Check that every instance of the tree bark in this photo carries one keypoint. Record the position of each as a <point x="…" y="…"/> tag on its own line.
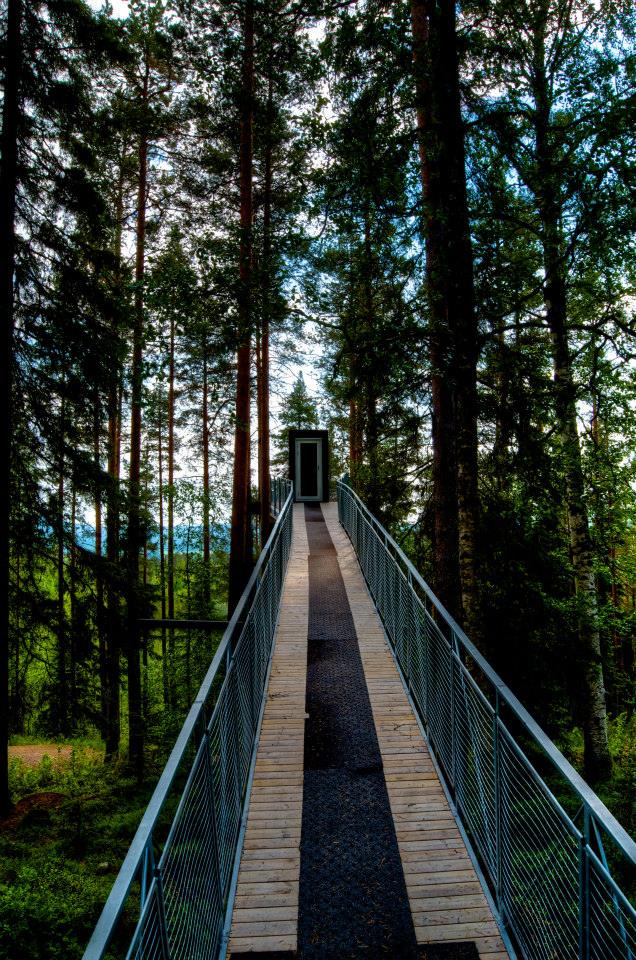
<point x="72" y="591"/>
<point x="453" y="331"/>
<point x="170" y="565"/>
<point x="135" y="540"/>
<point x="355" y="426"/>
<point x="370" y="390"/>
<point x="100" y="593"/>
<point x="8" y="191"/>
<point x="264" y="488"/>
<point x="597" y="757"/>
<point x="111" y="716"/>
<point x="62" y="636"/>
<point x="240" y="543"/>
<point x="162" y="559"/>
<point x="112" y="722"/>
<point x="205" y="436"/>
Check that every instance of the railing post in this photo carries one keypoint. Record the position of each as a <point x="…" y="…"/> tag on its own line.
<point x="453" y="720"/>
<point x="161" y="910"/>
<point x="147" y="869"/>
<point x="584" y="887"/>
<point x="496" y="748"/>
<point x="410" y="628"/>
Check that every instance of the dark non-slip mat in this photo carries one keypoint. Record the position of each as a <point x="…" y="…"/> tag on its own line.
<point x="353" y="899"/>
<point x="449" y="951"/>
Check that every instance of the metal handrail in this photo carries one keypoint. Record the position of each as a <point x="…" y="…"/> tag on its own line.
<point x="221" y="727"/>
<point x="550" y="878"/>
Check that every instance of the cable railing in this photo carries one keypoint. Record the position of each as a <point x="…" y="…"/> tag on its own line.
<point x="557" y="863"/>
<point x="172" y="900"/>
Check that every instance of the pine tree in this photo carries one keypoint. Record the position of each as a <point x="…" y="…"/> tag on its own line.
<point x="298" y="411"/>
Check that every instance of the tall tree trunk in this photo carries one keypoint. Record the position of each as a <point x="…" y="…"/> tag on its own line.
<point x="8" y="189"/>
<point x="112" y="712"/>
<point x="135" y="719"/>
<point x="355" y="420"/>
<point x="145" y="638"/>
<point x="188" y="650"/>
<point x="62" y="636"/>
<point x="17" y="701"/>
<point x="170" y="566"/>
<point x="370" y="390"/>
<point x="453" y="336"/>
<point x="266" y="292"/>
<point x="165" y="666"/>
<point x="240" y="542"/>
<point x="597" y="757"/>
<point x="72" y="591"/>
<point x="112" y="722"/>
<point x="205" y="437"/>
<point x="102" y="640"/>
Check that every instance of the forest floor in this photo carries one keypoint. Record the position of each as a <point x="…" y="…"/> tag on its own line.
<point x="62" y="844"/>
<point x="32" y="754"/>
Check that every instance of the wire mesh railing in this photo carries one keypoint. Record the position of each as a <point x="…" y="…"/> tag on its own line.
<point x="172" y="903"/>
<point x="558" y="864"/>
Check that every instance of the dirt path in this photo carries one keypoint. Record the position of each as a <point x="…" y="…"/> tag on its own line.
<point x="32" y="754"/>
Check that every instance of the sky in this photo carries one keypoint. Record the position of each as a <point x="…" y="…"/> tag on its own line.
<point x="120" y="7"/>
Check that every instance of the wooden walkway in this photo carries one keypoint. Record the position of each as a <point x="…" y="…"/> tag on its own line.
<point x="446" y="898"/>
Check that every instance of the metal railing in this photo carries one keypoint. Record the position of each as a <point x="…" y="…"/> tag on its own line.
<point x="280" y="488"/>
<point x="173" y="904"/>
<point x="545" y="850"/>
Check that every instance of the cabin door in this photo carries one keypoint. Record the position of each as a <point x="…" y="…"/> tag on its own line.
<point x="308" y="479"/>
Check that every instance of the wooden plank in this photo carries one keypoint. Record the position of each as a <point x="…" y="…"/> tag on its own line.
<point x="265" y="944"/>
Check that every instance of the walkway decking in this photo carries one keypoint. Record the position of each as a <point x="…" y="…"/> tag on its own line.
<point x="446" y="899"/>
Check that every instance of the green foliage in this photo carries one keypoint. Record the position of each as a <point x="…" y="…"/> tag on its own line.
<point x="298" y="411"/>
<point x="61" y="851"/>
<point x="619" y="793"/>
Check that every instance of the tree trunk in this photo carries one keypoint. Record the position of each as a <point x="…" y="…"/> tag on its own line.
<point x="453" y="337"/>
<point x="102" y="640"/>
<point x="8" y="189"/>
<point x="170" y="566"/>
<point x="73" y="647"/>
<point x="162" y="560"/>
<point x="188" y="650"/>
<point x="135" y="719"/>
<point x="205" y="436"/>
<point x="111" y="719"/>
<point x="62" y="637"/>
<point x="355" y="426"/>
<point x="444" y="467"/>
<point x="17" y="706"/>
<point x="266" y="289"/>
<point x="240" y="543"/>
<point x="597" y="757"/>
<point x="372" y="492"/>
<point x="112" y="713"/>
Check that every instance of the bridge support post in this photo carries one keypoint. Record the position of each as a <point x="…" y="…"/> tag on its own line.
<point x="496" y="748"/>
<point x="147" y="870"/>
<point x="453" y="717"/>
<point x="584" y="888"/>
